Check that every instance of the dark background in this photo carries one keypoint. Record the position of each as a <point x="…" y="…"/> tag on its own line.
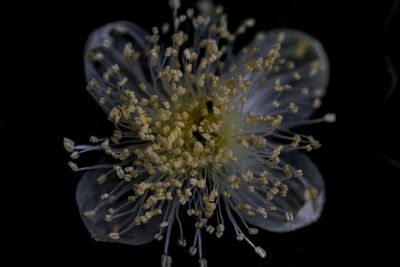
<point x="45" y="99"/>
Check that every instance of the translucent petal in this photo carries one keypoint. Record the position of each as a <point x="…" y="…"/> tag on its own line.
<point x="88" y="196"/>
<point x="305" y="69"/>
<point x="105" y="48"/>
<point x="305" y="198"/>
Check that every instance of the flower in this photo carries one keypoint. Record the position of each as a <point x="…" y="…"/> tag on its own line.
<point x="201" y="132"/>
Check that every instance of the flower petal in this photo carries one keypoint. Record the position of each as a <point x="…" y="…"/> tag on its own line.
<point x="305" y="198"/>
<point x="89" y="198"/>
<point x="115" y="44"/>
<point x="305" y="69"/>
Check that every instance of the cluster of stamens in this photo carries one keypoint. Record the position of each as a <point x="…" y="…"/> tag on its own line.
<point x="182" y="141"/>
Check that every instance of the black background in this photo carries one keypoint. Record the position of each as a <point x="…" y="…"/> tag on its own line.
<point x="45" y="100"/>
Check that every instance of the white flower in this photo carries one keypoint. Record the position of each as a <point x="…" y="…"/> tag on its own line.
<point x="201" y="132"/>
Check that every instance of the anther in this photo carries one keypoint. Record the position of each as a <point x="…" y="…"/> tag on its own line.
<point x="158" y="237"/>
<point x="192" y="251"/>
<point x="289" y="216"/>
<point x="298" y="173"/>
<point x="166" y="261"/>
<point x="73" y="166"/>
<point x="114" y="235"/>
<point x="163" y="224"/>
<point x="105" y="144"/>
<point x="260" y="251"/>
<point x="69" y="145"/>
<point x="94" y="139"/>
<point x="89" y="213"/>
<point x="74" y="155"/>
<point x="210" y="229"/>
<point x="317" y="103"/>
<point x="203" y="263"/>
<point x="330" y="117"/>
<point x="240" y="237"/>
<point x="182" y="242"/>
<point x="253" y="231"/>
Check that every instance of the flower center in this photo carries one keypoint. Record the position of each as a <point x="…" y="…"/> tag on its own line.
<point x="196" y="131"/>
